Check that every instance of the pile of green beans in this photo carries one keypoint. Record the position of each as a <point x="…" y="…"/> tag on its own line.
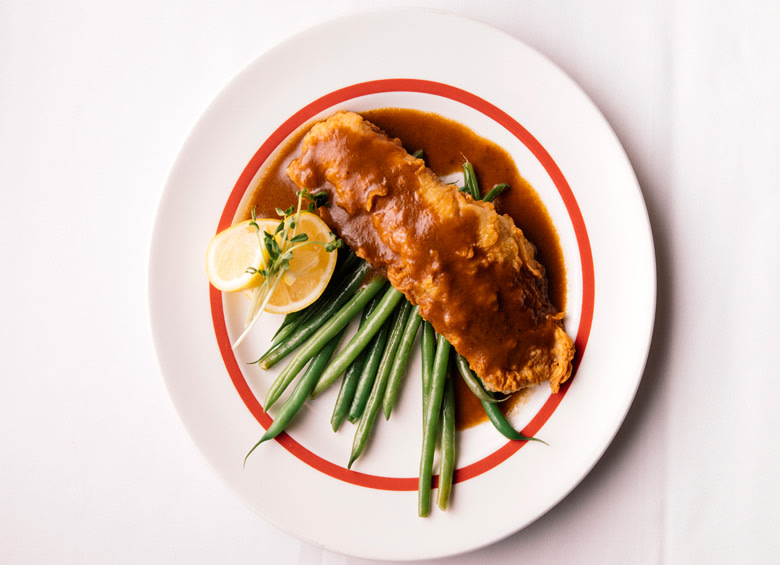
<point x="373" y="361"/>
<point x="373" y="364"/>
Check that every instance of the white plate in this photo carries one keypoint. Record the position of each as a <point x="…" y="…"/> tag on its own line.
<point x="503" y="90"/>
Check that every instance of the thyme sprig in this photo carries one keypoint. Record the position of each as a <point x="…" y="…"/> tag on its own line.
<point x="279" y="248"/>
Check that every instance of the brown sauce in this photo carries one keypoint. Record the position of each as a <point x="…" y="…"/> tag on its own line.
<point x="446" y="145"/>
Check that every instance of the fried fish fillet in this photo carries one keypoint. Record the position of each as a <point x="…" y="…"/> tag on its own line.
<point x="471" y="271"/>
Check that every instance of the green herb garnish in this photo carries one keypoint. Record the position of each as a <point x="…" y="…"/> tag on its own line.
<point x="279" y="248"/>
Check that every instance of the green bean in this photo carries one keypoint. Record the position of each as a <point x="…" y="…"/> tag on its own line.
<point x="472" y="381"/>
<point x="351" y="376"/>
<point x="289" y="323"/>
<point x="368" y="418"/>
<point x="297" y="399"/>
<point x="374" y="355"/>
<point x="471" y="186"/>
<point x="447" y="449"/>
<point x="394" y="339"/>
<point x="428" y="349"/>
<point x="490" y="404"/>
<point x="431" y="424"/>
<point x="470" y="181"/>
<point x="340" y="297"/>
<point x="346" y="265"/>
<point x="499" y="421"/>
<point x="495" y="192"/>
<point x="398" y="370"/>
<point x="377" y="395"/>
<point x="292" y="322"/>
<point x="359" y="341"/>
<point x="321" y="337"/>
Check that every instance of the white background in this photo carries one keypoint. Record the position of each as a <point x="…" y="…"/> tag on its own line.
<point x="95" y="102"/>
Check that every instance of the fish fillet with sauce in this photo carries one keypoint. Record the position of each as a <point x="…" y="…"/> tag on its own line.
<point x="471" y="271"/>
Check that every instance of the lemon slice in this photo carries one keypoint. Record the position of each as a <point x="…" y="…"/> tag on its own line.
<point x="311" y="268"/>
<point x="234" y="252"/>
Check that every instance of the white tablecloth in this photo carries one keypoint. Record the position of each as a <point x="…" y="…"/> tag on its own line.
<point x="95" y="101"/>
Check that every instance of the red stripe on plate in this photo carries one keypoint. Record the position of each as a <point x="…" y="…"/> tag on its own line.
<point x="586" y="258"/>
